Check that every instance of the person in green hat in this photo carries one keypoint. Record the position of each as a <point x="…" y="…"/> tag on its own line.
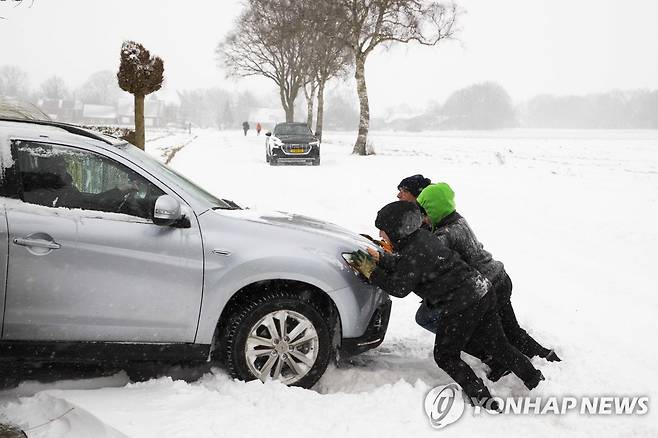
<point x="438" y="201"/>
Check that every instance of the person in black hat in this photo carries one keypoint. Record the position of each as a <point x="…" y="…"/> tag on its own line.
<point x="411" y="186"/>
<point x="423" y="265"/>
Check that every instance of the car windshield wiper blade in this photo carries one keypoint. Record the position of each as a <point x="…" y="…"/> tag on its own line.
<point x="230" y="206"/>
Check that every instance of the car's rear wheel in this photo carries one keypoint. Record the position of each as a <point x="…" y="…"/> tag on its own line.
<point x="278" y="337"/>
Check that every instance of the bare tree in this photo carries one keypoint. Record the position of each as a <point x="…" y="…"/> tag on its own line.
<point x="101" y="89"/>
<point x="327" y="55"/>
<point x="371" y="23"/>
<point x="139" y="74"/>
<point x="54" y="88"/>
<point x="268" y="41"/>
<point x="13" y="81"/>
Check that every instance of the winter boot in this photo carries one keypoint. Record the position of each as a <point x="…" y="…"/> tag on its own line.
<point x="483" y="399"/>
<point x="495" y="374"/>
<point x="552" y="357"/>
<point x="534" y="381"/>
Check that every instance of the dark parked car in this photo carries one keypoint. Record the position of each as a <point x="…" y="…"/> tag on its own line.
<point x="292" y="143"/>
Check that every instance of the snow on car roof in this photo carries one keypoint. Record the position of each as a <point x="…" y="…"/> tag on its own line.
<point x="52" y="130"/>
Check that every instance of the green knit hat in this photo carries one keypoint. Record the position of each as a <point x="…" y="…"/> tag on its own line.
<point x="438" y="200"/>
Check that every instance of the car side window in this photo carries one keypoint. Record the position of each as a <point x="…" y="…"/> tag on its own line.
<point x="60" y="176"/>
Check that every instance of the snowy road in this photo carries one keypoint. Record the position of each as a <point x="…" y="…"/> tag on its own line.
<point x="573" y="216"/>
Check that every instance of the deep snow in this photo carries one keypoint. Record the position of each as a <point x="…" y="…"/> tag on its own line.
<point x="572" y="214"/>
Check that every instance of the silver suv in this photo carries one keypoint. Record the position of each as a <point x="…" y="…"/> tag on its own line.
<point x="107" y="255"/>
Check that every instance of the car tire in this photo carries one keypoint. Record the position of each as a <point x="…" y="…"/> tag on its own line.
<point x="273" y="161"/>
<point x="299" y="361"/>
<point x="267" y="156"/>
<point x="316" y="162"/>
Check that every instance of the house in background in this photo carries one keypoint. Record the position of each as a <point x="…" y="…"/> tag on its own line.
<point x="154" y="111"/>
<point x="99" y="115"/>
<point x="62" y="110"/>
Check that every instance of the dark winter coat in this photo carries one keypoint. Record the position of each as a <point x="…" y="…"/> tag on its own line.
<point x="455" y="233"/>
<point x="432" y="271"/>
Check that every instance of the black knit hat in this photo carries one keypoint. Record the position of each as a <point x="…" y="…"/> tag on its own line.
<point x="414" y="184"/>
<point x="399" y="219"/>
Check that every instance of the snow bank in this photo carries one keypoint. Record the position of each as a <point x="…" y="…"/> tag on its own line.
<point x="48" y="416"/>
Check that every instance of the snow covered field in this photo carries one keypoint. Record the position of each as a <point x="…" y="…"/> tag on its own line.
<point x="572" y="214"/>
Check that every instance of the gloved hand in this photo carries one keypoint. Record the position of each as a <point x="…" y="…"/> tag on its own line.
<point x="363" y="262"/>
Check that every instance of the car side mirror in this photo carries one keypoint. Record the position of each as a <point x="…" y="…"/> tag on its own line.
<point x="268" y="133"/>
<point x="167" y="211"/>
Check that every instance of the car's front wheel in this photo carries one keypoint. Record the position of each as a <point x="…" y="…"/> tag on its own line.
<point x="278" y="337"/>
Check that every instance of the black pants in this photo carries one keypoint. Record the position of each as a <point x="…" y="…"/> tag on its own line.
<point x="428" y="318"/>
<point x="477" y="325"/>
<point x="516" y="336"/>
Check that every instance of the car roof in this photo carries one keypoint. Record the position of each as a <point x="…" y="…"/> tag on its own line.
<point x="291" y="123"/>
<point x="54" y="131"/>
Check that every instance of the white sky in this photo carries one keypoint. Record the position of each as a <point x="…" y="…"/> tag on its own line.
<point x="528" y="46"/>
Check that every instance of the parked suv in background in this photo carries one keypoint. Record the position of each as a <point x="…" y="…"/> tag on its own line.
<point x="292" y="143"/>
<point x="108" y="255"/>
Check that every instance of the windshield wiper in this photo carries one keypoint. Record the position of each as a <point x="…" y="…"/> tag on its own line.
<point x="230" y="205"/>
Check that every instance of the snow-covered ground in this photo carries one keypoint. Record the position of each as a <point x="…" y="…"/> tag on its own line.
<point x="572" y="214"/>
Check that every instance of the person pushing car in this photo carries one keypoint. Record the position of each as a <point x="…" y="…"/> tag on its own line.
<point x="438" y="201"/>
<point x="423" y="265"/>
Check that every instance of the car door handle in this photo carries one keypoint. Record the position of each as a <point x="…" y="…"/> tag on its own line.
<point x="37" y="243"/>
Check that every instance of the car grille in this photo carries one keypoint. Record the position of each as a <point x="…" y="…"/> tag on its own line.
<point x="296" y="149"/>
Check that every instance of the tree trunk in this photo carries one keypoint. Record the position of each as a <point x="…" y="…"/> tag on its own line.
<point x="364" y="108"/>
<point x="290" y="114"/>
<point x="140" y="135"/>
<point x="288" y="107"/>
<point x="309" y="110"/>
<point x="320" y="116"/>
<point x="310" y="97"/>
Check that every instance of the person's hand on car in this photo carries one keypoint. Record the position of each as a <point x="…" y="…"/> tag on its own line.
<point x="363" y="262"/>
<point x="374" y="254"/>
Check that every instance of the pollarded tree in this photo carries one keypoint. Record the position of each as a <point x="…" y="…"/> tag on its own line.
<point x="139" y="74"/>
<point x="368" y="24"/>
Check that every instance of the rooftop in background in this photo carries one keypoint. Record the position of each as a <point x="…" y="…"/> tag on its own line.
<point x="15" y="109"/>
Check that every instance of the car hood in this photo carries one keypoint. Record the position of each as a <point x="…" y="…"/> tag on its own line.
<point x="305" y="224"/>
<point x="296" y="138"/>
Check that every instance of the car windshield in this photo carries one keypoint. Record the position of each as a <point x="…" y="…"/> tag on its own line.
<point x="156" y="167"/>
<point x="289" y="129"/>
